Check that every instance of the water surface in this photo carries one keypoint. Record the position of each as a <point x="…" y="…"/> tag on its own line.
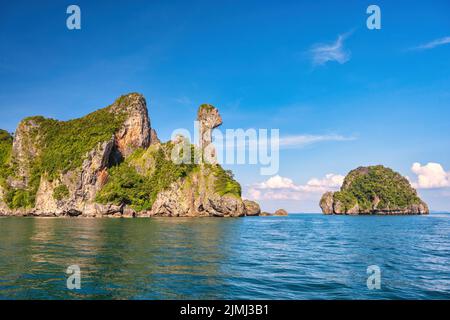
<point x="302" y="256"/>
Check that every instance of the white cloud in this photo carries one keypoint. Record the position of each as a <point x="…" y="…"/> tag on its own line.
<point x="303" y="140"/>
<point x="431" y="175"/>
<point x="434" y="44"/>
<point x="323" y="53"/>
<point x="277" y="182"/>
<point x="330" y="181"/>
<point x="281" y="188"/>
<point x="287" y="142"/>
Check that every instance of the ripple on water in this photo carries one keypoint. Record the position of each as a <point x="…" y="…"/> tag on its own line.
<point x="295" y="257"/>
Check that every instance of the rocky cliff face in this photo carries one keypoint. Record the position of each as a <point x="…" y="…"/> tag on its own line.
<point x="374" y="190"/>
<point x="197" y="198"/>
<point x="109" y="163"/>
<point x="135" y="131"/>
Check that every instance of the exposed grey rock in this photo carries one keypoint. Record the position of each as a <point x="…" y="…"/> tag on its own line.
<point x="281" y="212"/>
<point x="154" y="137"/>
<point x="24" y="151"/>
<point x="74" y="213"/>
<point x="339" y="208"/>
<point x="251" y="208"/>
<point x="225" y="206"/>
<point x="196" y="199"/>
<point x="209" y="118"/>
<point x="136" y="131"/>
<point x="128" y="213"/>
<point x="326" y="203"/>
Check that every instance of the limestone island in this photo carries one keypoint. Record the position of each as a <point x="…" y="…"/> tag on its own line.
<point x="111" y="163"/>
<point x="374" y="190"/>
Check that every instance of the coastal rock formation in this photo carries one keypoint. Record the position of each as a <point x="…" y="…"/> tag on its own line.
<point x="111" y="163"/>
<point x="252" y="208"/>
<point x="280" y="212"/>
<point x="326" y="203"/>
<point x="374" y="190"/>
<point x="209" y="118"/>
<point x="199" y="194"/>
<point x="135" y="131"/>
<point x="154" y="137"/>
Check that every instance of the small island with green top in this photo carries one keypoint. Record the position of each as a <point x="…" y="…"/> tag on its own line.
<point x="374" y="190"/>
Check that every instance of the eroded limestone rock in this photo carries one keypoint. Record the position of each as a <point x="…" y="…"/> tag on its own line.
<point x="281" y="212"/>
<point x="209" y="118"/>
<point x="326" y="203"/>
<point x="252" y="208"/>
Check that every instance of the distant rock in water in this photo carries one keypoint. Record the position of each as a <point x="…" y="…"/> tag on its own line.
<point x="280" y="212"/>
<point x="374" y="190"/>
<point x="111" y="163"/>
<point x="252" y="208"/>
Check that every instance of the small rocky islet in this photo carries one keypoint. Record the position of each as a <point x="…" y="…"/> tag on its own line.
<point x="374" y="190"/>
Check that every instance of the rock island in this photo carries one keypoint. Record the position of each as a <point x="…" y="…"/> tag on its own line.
<point x="111" y="163"/>
<point x="374" y="190"/>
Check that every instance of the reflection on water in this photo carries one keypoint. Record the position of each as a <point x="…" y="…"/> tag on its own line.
<point x="296" y="257"/>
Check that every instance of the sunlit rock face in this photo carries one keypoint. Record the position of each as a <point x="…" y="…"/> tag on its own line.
<point x="252" y="208"/>
<point x="135" y="131"/>
<point x="280" y="213"/>
<point x="209" y="118"/>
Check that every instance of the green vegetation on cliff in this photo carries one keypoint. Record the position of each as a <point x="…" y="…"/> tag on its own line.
<point x="346" y="198"/>
<point x="14" y="198"/>
<point x="139" y="189"/>
<point x="65" y="144"/>
<point x="126" y="186"/>
<point x="225" y="183"/>
<point x="141" y="177"/>
<point x="17" y="198"/>
<point x="61" y="146"/>
<point x="205" y="108"/>
<point x="376" y="185"/>
<point x="6" y="141"/>
<point x="60" y="192"/>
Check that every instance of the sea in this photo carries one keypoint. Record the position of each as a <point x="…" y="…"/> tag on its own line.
<point x="298" y="257"/>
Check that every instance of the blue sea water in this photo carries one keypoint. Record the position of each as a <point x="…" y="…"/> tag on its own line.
<point x="303" y="256"/>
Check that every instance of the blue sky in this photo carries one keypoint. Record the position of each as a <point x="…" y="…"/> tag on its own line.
<point x="386" y="94"/>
